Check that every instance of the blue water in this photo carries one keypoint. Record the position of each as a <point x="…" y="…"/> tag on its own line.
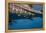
<point x="25" y="23"/>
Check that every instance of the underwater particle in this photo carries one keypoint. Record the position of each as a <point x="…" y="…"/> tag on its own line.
<point x="19" y="15"/>
<point x="27" y="17"/>
<point x="24" y="16"/>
